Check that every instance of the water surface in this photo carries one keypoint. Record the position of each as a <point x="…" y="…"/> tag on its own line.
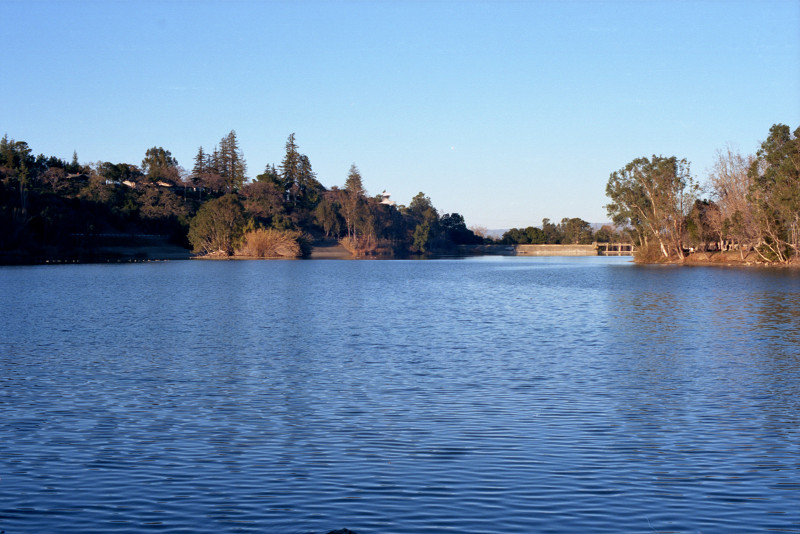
<point x="487" y="395"/>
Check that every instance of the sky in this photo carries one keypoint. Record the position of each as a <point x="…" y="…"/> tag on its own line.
<point x="506" y="112"/>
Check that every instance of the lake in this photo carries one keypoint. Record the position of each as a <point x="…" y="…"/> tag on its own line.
<point x="482" y="395"/>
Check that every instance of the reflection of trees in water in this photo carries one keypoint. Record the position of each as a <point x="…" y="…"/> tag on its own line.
<point x="707" y="387"/>
<point x="706" y="330"/>
<point x="711" y="350"/>
<point x="703" y="309"/>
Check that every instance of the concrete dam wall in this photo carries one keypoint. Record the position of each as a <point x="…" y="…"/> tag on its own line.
<point x="595" y="249"/>
<point x="556" y="250"/>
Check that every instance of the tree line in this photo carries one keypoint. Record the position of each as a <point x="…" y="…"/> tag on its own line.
<point x="750" y="203"/>
<point x="50" y="207"/>
<point x="570" y="231"/>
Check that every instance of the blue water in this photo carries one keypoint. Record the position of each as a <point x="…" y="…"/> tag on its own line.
<point x="489" y="395"/>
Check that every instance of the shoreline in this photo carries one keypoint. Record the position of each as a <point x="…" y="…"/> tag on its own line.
<point x="99" y="255"/>
<point x="331" y="250"/>
<point x="725" y="259"/>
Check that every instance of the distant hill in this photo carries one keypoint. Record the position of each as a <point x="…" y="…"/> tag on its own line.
<point x="496" y="234"/>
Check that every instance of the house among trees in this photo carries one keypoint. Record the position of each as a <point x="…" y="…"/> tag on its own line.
<point x="168" y="184"/>
<point x="386" y="200"/>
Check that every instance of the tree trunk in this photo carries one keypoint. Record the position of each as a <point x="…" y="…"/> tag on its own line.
<point x="663" y="248"/>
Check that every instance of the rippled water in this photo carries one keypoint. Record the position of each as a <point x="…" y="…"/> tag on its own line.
<point x="482" y="395"/>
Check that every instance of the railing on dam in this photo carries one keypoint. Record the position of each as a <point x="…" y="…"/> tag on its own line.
<point x="614" y="249"/>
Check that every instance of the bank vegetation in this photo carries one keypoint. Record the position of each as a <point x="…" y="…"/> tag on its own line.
<point x="749" y="206"/>
<point x="58" y="210"/>
<point x="54" y="209"/>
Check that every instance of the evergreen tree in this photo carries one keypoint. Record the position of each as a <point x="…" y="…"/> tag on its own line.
<point x="290" y="170"/>
<point x="213" y="161"/>
<point x="301" y="187"/>
<point x="205" y="172"/>
<point x="74" y="166"/>
<point x="775" y="193"/>
<point x="7" y="152"/>
<point x="159" y="164"/>
<point x="200" y="162"/>
<point x="15" y="154"/>
<point x="270" y="174"/>
<point x="352" y="201"/>
<point x="230" y="162"/>
<point x="308" y="187"/>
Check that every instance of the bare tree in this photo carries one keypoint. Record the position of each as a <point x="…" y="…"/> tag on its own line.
<point x="730" y="184"/>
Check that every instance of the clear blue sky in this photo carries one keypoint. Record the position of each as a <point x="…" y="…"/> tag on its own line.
<point x="506" y="112"/>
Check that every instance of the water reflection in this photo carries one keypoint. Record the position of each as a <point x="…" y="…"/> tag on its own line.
<point x="706" y="363"/>
<point x="491" y="395"/>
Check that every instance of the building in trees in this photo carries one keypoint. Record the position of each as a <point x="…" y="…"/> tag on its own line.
<point x="386" y="199"/>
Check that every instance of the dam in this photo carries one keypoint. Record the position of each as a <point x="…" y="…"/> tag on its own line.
<point x="595" y="249"/>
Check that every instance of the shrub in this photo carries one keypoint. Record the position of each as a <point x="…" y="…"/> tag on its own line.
<point x="648" y="253"/>
<point x="271" y="243"/>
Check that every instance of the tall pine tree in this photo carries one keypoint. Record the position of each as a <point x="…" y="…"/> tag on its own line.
<point x="230" y="162"/>
<point x="352" y="201"/>
<point x="199" y="164"/>
<point x="290" y="170"/>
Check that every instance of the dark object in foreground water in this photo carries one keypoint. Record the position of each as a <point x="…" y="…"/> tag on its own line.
<point x="342" y="531"/>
